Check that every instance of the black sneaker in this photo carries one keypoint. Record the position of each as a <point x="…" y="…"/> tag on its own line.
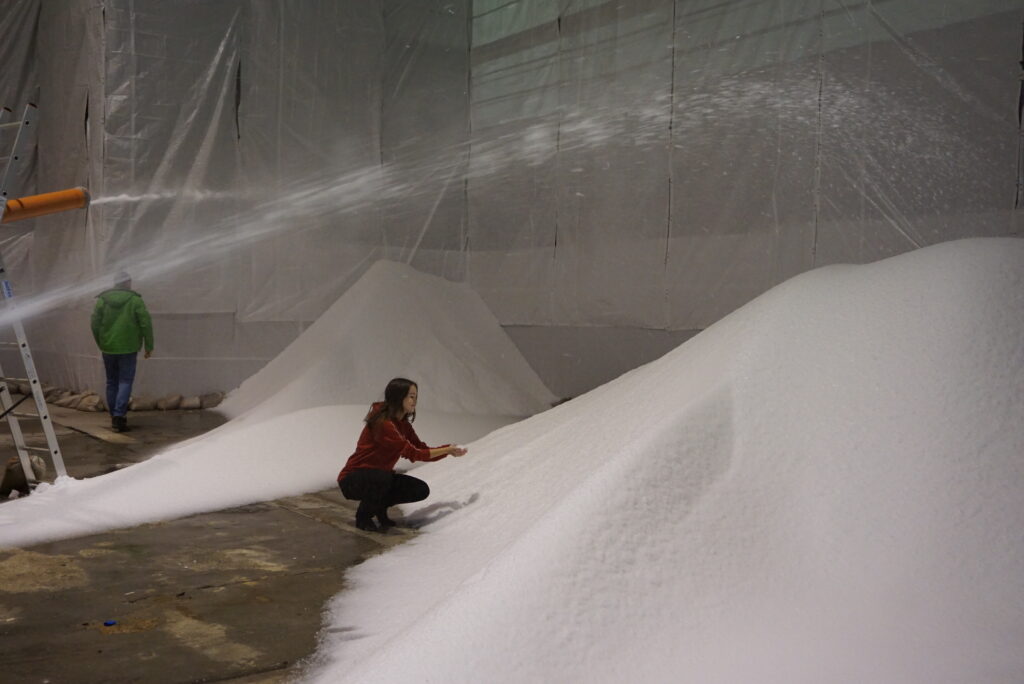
<point x="367" y="524"/>
<point x="384" y="521"/>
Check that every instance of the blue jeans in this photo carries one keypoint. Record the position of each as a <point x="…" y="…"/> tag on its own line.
<point x="120" y="376"/>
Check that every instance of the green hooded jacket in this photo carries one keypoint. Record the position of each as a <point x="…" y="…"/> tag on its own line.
<point x="121" y="323"/>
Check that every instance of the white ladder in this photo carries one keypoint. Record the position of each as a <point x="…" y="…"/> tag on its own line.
<point x="7" y="403"/>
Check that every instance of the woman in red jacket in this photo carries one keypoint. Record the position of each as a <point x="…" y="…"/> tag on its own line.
<point x="369" y="476"/>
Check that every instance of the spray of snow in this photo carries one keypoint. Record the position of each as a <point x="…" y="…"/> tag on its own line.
<point x="327" y="198"/>
<point x="192" y="195"/>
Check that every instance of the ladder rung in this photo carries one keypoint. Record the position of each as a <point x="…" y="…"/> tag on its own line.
<point x="10" y="344"/>
<point x="25" y="415"/>
<point x="33" y="448"/>
<point x="15" y="379"/>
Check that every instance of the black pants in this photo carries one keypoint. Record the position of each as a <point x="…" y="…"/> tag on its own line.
<point x="375" y="490"/>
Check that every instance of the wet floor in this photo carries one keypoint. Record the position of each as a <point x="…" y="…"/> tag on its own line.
<point x="236" y="595"/>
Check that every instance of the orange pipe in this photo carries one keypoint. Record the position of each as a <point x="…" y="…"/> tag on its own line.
<point x="47" y="203"/>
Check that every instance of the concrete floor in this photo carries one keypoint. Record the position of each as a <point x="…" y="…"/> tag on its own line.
<point x="235" y="595"/>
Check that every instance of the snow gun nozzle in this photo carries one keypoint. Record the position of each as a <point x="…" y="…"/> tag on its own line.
<point x="47" y="203"/>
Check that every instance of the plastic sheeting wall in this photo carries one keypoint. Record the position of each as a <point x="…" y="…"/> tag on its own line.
<point x="598" y="166"/>
<point x="246" y="162"/>
<point x="707" y="151"/>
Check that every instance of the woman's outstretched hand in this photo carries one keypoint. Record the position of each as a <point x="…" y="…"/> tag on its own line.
<point x="456" y="450"/>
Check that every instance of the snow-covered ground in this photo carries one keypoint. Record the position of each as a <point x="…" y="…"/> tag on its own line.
<point x="825" y="486"/>
<point x="297" y="420"/>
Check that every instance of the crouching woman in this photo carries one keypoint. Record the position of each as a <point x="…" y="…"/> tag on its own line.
<point x="369" y="475"/>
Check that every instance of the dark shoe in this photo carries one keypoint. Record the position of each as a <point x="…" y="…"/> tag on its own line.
<point x="119" y="423"/>
<point x="384" y="521"/>
<point x="367" y="524"/>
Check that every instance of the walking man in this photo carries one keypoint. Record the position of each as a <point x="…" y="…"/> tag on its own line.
<point x="120" y="326"/>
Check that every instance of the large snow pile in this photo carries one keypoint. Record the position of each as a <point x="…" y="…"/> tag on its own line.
<point x="825" y="486"/>
<point x="396" y="321"/>
<point x="299" y="418"/>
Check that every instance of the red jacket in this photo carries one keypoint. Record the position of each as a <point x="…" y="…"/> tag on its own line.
<point x="380" y="446"/>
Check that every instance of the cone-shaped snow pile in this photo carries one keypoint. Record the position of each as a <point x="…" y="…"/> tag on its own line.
<point x="826" y="486"/>
<point x="396" y="321"/>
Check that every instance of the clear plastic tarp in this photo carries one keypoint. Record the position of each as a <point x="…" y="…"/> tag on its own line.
<point x="611" y="166"/>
